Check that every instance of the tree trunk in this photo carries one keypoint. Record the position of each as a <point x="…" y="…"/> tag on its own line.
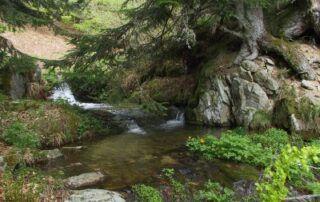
<point x="314" y="13"/>
<point x="254" y="35"/>
<point x="253" y="29"/>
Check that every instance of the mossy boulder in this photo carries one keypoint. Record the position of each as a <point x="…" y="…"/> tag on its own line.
<point x="283" y="109"/>
<point x="173" y="90"/>
<point x="261" y="121"/>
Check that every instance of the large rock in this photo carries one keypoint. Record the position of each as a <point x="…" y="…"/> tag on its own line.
<point x="267" y="82"/>
<point x="94" y="195"/>
<point x="248" y="98"/>
<point x="84" y="180"/>
<point x="214" y="106"/>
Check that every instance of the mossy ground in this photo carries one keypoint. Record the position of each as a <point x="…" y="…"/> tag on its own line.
<point x="54" y="124"/>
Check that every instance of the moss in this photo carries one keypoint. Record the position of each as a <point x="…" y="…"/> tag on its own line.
<point x="261" y="121"/>
<point x="176" y="90"/>
<point x="55" y="124"/>
<point x="282" y="112"/>
<point x="291" y="54"/>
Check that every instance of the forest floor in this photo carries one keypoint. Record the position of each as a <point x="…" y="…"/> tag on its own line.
<point x="41" y="42"/>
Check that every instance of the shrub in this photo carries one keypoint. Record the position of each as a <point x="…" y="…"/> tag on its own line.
<point x="237" y="145"/>
<point x="18" y="135"/>
<point x="214" y="192"/>
<point x="273" y="139"/>
<point x="290" y="163"/>
<point x="231" y="146"/>
<point x="146" y="194"/>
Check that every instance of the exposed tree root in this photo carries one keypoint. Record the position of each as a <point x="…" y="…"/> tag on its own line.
<point x="293" y="56"/>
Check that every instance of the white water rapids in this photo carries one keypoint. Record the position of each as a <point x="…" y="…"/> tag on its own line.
<point x="63" y="92"/>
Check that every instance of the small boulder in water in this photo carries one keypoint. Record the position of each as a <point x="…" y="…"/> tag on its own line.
<point x="84" y="180"/>
<point x="95" y="195"/>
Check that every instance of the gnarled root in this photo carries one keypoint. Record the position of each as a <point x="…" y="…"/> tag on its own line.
<point x="293" y="56"/>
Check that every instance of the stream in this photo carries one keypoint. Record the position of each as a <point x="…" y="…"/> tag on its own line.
<point x="138" y="154"/>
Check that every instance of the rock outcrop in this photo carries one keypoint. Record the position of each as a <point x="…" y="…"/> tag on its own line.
<point x="259" y="87"/>
<point x="23" y="83"/>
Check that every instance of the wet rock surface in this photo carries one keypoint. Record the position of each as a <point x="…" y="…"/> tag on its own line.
<point x="85" y="180"/>
<point x="95" y="195"/>
<point x="53" y="154"/>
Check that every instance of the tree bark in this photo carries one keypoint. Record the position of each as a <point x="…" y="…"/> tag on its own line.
<point x="253" y="29"/>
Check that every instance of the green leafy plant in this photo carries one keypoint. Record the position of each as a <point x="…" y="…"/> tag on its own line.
<point x="230" y="146"/>
<point x="18" y="135"/>
<point x="146" y="193"/>
<point x="180" y="191"/>
<point x="214" y="192"/>
<point x="273" y="138"/>
<point x="290" y="161"/>
<point x="25" y="185"/>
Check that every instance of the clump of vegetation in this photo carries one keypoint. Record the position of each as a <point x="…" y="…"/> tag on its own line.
<point x="179" y="190"/>
<point x="292" y="164"/>
<point x="28" y="123"/>
<point x="27" y="184"/>
<point x="18" y="135"/>
<point x="146" y="193"/>
<point x="261" y="121"/>
<point x="274" y="139"/>
<point x="235" y="146"/>
<point x="213" y="191"/>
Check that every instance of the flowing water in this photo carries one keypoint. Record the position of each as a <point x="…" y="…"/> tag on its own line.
<point x="139" y="154"/>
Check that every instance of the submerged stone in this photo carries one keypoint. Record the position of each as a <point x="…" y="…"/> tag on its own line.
<point x="53" y="154"/>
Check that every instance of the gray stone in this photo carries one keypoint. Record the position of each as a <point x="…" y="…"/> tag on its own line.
<point x="266" y="81"/>
<point x="95" y="195"/>
<point x="76" y="148"/>
<point x="244" y="74"/>
<point x="307" y="85"/>
<point x="53" y="154"/>
<point x="17" y="86"/>
<point x="269" y="61"/>
<point x="2" y="164"/>
<point x="295" y="124"/>
<point x="250" y="66"/>
<point x="248" y="98"/>
<point x="84" y="180"/>
<point x="214" y="105"/>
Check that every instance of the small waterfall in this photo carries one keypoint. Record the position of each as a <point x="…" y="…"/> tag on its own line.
<point x="179" y="121"/>
<point x="63" y="92"/>
<point x="133" y="127"/>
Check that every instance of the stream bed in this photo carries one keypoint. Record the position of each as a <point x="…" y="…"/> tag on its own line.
<point x="140" y="153"/>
